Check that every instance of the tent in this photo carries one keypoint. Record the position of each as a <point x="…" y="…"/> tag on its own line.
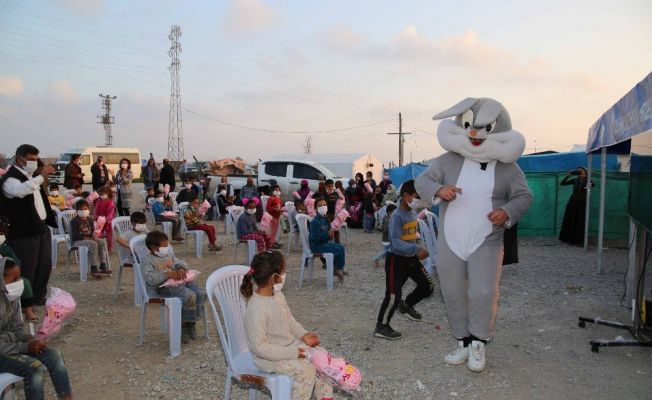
<point x="399" y="175"/>
<point x="345" y="165"/>
<point x="612" y="133"/>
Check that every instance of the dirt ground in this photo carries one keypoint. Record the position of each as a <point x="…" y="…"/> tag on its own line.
<point x="538" y="352"/>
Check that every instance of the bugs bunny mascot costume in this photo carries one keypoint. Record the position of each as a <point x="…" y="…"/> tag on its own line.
<point x="482" y="191"/>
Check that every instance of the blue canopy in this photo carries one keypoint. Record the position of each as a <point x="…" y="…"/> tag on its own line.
<point x="630" y="116"/>
<point x="563" y="162"/>
<point x="399" y="175"/>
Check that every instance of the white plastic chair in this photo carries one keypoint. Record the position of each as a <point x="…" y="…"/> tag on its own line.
<point x="433" y="223"/>
<point x="198" y="236"/>
<point x="119" y="226"/>
<point x="170" y="306"/>
<point x="82" y="251"/>
<point x="263" y="201"/>
<point x="307" y="258"/>
<point x="292" y="234"/>
<point x="143" y="195"/>
<point x="173" y="196"/>
<point x="223" y="286"/>
<point x="165" y="225"/>
<point x="58" y="236"/>
<point x="7" y="386"/>
<point x="427" y="237"/>
<point x="250" y="250"/>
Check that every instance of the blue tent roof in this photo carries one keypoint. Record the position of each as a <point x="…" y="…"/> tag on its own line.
<point x="563" y="162"/>
<point x="399" y="175"/>
<point x="631" y="115"/>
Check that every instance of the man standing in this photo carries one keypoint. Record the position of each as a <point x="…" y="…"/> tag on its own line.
<point x="24" y="202"/>
<point x="100" y="173"/>
<point x="167" y="174"/>
<point x="183" y="171"/>
<point x="73" y="173"/>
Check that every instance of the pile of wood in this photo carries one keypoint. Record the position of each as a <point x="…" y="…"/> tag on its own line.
<point x="227" y="166"/>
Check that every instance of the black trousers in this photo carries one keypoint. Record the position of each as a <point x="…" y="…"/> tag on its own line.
<point x="35" y="254"/>
<point x="397" y="271"/>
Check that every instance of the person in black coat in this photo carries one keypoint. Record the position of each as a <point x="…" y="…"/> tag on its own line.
<point x="572" y="227"/>
<point x="167" y="175"/>
<point x="100" y="173"/>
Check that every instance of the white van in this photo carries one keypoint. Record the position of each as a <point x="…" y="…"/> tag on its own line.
<point x="111" y="155"/>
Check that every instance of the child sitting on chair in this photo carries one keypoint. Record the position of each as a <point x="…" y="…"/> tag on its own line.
<point x="246" y="228"/>
<point x="194" y="223"/>
<point x="82" y="229"/>
<point x="105" y="207"/>
<point x="162" y="210"/>
<point x="160" y="265"/>
<point x="138" y="227"/>
<point x="321" y="235"/>
<point x="56" y="199"/>
<point x="276" y="339"/>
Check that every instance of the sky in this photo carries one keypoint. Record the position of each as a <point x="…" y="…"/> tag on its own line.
<point x="260" y="76"/>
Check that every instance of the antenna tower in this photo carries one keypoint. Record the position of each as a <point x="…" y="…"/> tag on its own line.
<point x="107" y="119"/>
<point x="175" y="126"/>
<point x="307" y="145"/>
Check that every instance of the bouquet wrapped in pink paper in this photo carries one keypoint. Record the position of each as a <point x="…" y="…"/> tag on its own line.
<point x="339" y="205"/>
<point x="295" y="195"/>
<point x="422" y="214"/>
<point x="58" y="308"/>
<point x="340" y="218"/>
<point x="99" y="225"/>
<point x="166" y="189"/>
<point x="309" y="202"/>
<point x="204" y="207"/>
<point x="266" y="222"/>
<point x="191" y="276"/>
<point x="92" y="197"/>
<point x="340" y="373"/>
<point x="169" y="214"/>
<point x="368" y="188"/>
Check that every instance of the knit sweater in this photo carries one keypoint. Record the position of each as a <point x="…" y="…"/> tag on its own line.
<point x="272" y="332"/>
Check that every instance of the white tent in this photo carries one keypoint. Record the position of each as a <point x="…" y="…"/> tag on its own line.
<point x="345" y="165"/>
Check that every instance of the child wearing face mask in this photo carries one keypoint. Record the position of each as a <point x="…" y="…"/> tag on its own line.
<point x="321" y="235"/>
<point x="274" y="205"/>
<point x="188" y="192"/>
<point x="20" y="353"/>
<point x="276" y="339"/>
<point x="246" y="228"/>
<point x="82" y="232"/>
<point x="162" y="205"/>
<point x="56" y="199"/>
<point x="159" y="265"/>
<point x="193" y="220"/>
<point x="138" y="227"/>
<point x="105" y="207"/>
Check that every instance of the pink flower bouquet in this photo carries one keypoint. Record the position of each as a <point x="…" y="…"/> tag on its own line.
<point x="99" y="225"/>
<point x="309" y="202"/>
<point x="340" y="373"/>
<point x="204" y="207"/>
<point x="339" y="220"/>
<point x="58" y="308"/>
<point x="169" y="214"/>
<point x="191" y="276"/>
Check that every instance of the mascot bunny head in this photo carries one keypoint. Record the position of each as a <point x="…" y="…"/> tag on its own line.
<point x="481" y="131"/>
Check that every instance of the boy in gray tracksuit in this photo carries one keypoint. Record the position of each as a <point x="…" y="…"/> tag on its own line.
<point x="401" y="263"/>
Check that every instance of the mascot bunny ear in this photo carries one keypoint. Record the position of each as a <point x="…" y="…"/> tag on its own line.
<point x="457" y="109"/>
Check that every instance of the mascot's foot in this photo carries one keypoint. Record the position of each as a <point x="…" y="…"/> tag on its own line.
<point x="459" y="355"/>
<point x="477" y="357"/>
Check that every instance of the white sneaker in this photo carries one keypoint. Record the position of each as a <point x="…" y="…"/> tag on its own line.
<point x="477" y="358"/>
<point x="459" y="355"/>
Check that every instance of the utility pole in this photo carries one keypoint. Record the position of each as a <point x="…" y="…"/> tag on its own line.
<point x="107" y="119"/>
<point x="401" y="140"/>
<point x="307" y="145"/>
<point x="175" y="125"/>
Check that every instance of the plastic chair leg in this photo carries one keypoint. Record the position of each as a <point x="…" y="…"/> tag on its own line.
<point x="117" y="285"/>
<point x="54" y="244"/>
<point x="174" y="322"/>
<point x="253" y="394"/>
<point x="164" y="319"/>
<point x="311" y="267"/>
<point x="251" y="251"/>
<point x="167" y="228"/>
<point x="227" y="384"/>
<point x="281" y="387"/>
<point x="138" y="296"/>
<point x="329" y="270"/>
<point x="83" y="263"/>
<point x="199" y="244"/>
<point x="303" y="267"/>
<point x="143" y="316"/>
<point x="205" y="319"/>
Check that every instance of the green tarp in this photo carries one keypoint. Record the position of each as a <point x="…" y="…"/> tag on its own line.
<point x="546" y="214"/>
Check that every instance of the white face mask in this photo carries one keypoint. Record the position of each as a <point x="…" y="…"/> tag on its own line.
<point x="354" y="186"/>
<point x="30" y="166"/>
<point x="104" y="196"/>
<point x="330" y="190"/>
<point x="54" y="193"/>
<point x="15" y="290"/>
<point x="2" y="239"/>
<point x="223" y="192"/>
<point x="83" y="213"/>
<point x="279" y="286"/>
<point x="124" y="165"/>
<point x="140" y="227"/>
<point x="159" y="199"/>
<point x="322" y="210"/>
<point x="251" y="211"/>
<point x="163" y="251"/>
<point x="188" y="186"/>
<point x="277" y="193"/>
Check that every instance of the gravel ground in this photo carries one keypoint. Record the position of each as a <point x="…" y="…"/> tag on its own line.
<point x="538" y="352"/>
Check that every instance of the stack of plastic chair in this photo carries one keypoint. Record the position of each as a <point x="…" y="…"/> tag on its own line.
<point x="82" y="251"/>
<point x="223" y="288"/>
<point x="307" y="258"/>
<point x="119" y="226"/>
<point x="250" y="244"/>
<point x="58" y="236"/>
<point x="7" y="386"/>
<point x="198" y="236"/>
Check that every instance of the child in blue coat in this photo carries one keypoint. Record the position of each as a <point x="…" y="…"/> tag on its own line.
<point x="320" y="236"/>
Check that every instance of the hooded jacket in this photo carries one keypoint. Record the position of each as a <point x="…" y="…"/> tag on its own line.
<point x="13" y="337"/>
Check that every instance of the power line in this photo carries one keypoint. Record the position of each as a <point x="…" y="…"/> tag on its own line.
<point x="220" y="121"/>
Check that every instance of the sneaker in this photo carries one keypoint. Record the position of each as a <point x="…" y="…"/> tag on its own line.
<point x="104" y="270"/>
<point x="459" y="355"/>
<point x="409" y="311"/>
<point x="386" y="332"/>
<point x="477" y="358"/>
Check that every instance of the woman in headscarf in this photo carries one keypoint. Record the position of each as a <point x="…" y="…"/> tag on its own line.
<point x="353" y="195"/>
<point x="572" y="227"/>
<point x="304" y="190"/>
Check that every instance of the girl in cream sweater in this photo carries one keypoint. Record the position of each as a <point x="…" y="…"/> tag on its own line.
<point x="275" y="338"/>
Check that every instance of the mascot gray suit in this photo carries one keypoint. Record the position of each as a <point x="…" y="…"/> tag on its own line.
<point x="483" y="191"/>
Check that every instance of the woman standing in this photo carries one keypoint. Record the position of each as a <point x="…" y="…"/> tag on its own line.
<point x="572" y="228"/>
<point x="73" y="173"/>
<point x="123" y="181"/>
<point x="151" y="175"/>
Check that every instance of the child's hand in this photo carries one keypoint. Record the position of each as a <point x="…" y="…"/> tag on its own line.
<point x="311" y="339"/>
<point x="182" y="273"/>
<point x="302" y="353"/>
<point x="36" y="346"/>
<point x="422" y="254"/>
